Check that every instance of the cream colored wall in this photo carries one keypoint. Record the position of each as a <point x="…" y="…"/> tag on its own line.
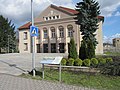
<point x="64" y="20"/>
<point x="47" y="13"/>
<point x="22" y="41"/>
<point x="99" y="37"/>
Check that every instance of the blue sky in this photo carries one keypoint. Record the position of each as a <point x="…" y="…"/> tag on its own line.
<point x="19" y="12"/>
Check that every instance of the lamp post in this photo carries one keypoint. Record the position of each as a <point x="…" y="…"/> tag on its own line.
<point x="33" y="41"/>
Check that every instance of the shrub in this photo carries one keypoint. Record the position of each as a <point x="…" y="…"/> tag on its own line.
<point x="86" y="62"/>
<point x="78" y="62"/>
<point x="94" y="61"/>
<point x="112" y="68"/>
<point x="70" y="62"/>
<point x="102" y="60"/>
<point x="64" y="61"/>
<point x="109" y="60"/>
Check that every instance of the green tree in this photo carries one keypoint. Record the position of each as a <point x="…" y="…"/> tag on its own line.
<point x="73" y="51"/>
<point x="7" y="35"/>
<point x="83" y="51"/>
<point x="87" y="18"/>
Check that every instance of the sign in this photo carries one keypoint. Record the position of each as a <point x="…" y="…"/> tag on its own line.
<point x="33" y="31"/>
<point x="51" y="60"/>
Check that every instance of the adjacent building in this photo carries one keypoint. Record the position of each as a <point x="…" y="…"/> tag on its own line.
<point x="116" y="42"/>
<point x="56" y="27"/>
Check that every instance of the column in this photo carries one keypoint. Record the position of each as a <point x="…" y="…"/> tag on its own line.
<point x="41" y="41"/>
<point x="49" y="43"/>
<point x="57" y="40"/>
<point x="65" y="40"/>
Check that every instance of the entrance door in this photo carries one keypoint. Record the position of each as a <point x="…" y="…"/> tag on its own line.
<point x="45" y="48"/>
<point x="38" y="48"/>
<point x="61" y="48"/>
<point x="53" y="48"/>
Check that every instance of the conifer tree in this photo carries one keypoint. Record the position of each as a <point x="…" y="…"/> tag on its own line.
<point x="87" y="18"/>
<point x="73" y="51"/>
<point x="7" y="35"/>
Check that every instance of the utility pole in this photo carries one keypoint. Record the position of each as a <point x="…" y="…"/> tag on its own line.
<point x="33" y="41"/>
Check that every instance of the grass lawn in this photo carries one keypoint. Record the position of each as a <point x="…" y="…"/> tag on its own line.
<point x="113" y="53"/>
<point x="101" y="82"/>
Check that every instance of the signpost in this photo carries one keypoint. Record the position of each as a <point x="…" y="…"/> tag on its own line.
<point x="51" y="60"/>
<point x="33" y="33"/>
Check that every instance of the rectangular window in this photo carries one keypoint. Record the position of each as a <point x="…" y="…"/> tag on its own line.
<point x="53" y="48"/>
<point x="25" y="47"/>
<point x="38" y="37"/>
<point x="45" y="34"/>
<point x="25" y="35"/>
<point x="70" y="33"/>
<point x="53" y="33"/>
<point x="61" y="33"/>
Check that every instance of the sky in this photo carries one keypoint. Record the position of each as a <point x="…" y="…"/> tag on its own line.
<point x="19" y="11"/>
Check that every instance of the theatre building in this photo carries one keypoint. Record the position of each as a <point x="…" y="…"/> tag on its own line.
<point x="56" y="27"/>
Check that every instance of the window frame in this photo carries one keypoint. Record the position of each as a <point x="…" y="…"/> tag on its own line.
<point x="70" y="30"/>
<point x="61" y="31"/>
<point x="45" y="34"/>
<point x="25" y="35"/>
<point x="25" y="46"/>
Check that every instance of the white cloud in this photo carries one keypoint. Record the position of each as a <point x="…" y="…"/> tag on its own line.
<point x="19" y="10"/>
<point x="109" y="39"/>
<point x="109" y="7"/>
<point x="117" y="13"/>
<point x="117" y="35"/>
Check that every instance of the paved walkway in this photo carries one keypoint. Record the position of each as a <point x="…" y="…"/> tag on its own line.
<point x="9" y="82"/>
<point x="16" y="64"/>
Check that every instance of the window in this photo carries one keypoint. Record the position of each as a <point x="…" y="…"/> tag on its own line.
<point x="38" y="37"/>
<point x="25" y="35"/>
<point x="25" y="47"/>
<point x="46" y="18"/>
<point x="45" y="32"/>
<point x="52" y="32"/>
<point x="53" y="48"/>
<point x="61" y="30"/>
<point x="70" y="30"/>
<point x="53" y="17"/>
<point x="57" y="16"/>
<point x="50" y="18"/>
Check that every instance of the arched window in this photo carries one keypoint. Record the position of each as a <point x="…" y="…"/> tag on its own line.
<point x="61" y="31"/>
<point x="45" y="32"/>
<point x="52" y="32"/>
<point x="70" y="30"/>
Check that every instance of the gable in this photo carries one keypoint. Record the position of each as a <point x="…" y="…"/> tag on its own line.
<point x="52" y="13"/>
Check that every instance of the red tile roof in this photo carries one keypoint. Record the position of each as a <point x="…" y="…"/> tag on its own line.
<point x="25" y="26"/>
<point x="75" y="12"/>
<point x="68" y="10"/>
<point x="71" y="11"/>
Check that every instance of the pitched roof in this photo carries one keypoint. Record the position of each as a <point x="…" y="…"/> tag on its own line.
<point x="74" y="11"/>
<point x="68" y="10"/>
<point x="25" y="26"/>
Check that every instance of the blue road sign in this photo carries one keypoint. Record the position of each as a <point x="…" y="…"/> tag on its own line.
<point x="33" y="31"/>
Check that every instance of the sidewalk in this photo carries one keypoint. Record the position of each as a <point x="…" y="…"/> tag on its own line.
<point x="9" y="82"/>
